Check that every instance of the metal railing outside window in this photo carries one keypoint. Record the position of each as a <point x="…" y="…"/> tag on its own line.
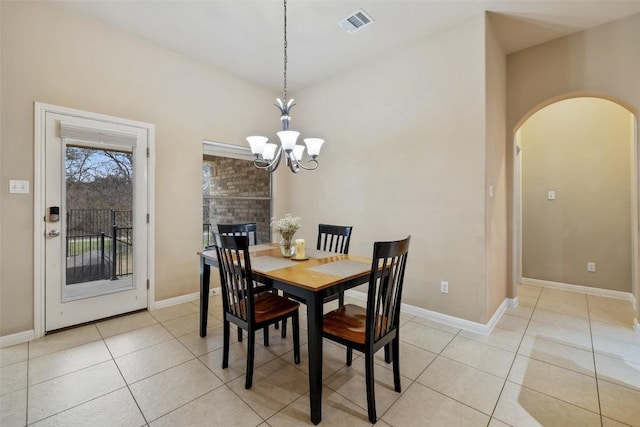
<point x="99" y="245"/>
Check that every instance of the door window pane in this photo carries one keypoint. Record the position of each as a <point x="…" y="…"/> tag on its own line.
<point x="99" y="220"/>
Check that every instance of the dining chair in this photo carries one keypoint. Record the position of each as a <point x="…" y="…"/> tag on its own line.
<point x="334" y="238"/>
<point x="244" y="307"/>
<point x="369" y="329"/>
<point x="251" y="231"/>
<point x="248" y="229"/>
<point x="331" y="238"/>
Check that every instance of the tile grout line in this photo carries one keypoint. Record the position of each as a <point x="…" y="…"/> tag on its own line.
<point x="224" y="384"/>
<point x="425" y="368"/>
<point x="506" y="379"/>
<point x="26" y="406"/>
<point x="595" y="366"/>
<point x="559" y="399"/>
<point x="195" y="357"/>
<point x="144" y="417"/>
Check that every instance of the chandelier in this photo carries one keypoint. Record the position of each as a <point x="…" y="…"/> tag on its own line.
<point x="268" y="155"/>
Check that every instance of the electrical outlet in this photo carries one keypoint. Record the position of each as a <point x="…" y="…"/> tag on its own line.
<point x="444" y="287"/>
<point x="591" y="267"/>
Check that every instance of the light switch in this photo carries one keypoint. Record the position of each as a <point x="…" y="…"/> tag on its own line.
<point x="18" y="187"/>
<point x="551" y="195"/>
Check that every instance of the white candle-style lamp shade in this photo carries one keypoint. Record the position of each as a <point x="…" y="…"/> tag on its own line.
<point x="257" y="143"/>
<point x="313" y="146"/>
<point x="269" y="151"/>
<point x="298" y="151"/>
<point x="288" y="139"/>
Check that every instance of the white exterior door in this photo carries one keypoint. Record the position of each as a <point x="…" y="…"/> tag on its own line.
<point x="95" y="218"/>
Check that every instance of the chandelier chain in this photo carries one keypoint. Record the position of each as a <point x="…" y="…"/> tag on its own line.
<point x="285" y="52"/>
<point x="269" y="155"/>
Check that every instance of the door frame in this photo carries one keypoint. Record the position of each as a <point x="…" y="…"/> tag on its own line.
<point x="516" y="159"/>
<point x="40" y="111"/>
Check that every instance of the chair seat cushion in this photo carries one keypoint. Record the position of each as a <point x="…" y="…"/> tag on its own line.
<point x="269" y="306"/>
<point x="347" y="322"/>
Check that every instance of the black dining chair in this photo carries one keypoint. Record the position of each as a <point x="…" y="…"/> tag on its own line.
<point x="378" y="325"/>
<point x="331" y="238"/>
<point x="334" y="238"/>
<point x="244" y="307"/>
<point x="249" y="230"/>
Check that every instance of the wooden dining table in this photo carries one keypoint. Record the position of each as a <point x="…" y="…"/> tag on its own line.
<point x="310" y="281"/>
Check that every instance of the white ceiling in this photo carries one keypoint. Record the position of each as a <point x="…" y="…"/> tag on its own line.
<point x="245" y="37"/>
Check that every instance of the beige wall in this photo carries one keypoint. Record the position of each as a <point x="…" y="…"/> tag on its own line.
<point x="53" y="56"/>
<point x="496" y="178"/>
<point x="405" y="155"/>
<point x="581" y="149"/>
<point x="603" y="61"/>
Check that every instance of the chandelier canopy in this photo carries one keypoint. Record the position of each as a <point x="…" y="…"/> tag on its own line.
<point x="268" y="155"/>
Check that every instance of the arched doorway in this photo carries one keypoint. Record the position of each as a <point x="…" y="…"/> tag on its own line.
<point x="576" y="196"/>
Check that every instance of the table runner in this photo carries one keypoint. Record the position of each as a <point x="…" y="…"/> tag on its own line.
<point x="343" y="268"/>
<point x="314" y="253"/>
<point x="263" y="247"/>
<point x="269" y="263"/>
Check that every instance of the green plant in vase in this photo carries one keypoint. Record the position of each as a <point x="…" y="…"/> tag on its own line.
<point x="286" y="227"/>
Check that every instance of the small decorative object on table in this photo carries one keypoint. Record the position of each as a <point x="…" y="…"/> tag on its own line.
<point x="300" y="253"/>
<point x="287" y="227"/>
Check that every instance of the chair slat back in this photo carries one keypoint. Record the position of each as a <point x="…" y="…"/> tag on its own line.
<point x="334" y="238"/>
<point x="248" y="229"/>
<point x="236" y="277"/>
<point x="385" y="288"/>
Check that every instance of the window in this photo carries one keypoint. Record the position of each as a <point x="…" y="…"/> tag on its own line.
<point x="234" y="191"/>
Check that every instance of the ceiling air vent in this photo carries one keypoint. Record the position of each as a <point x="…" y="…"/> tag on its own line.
<point x="356" y="21"/>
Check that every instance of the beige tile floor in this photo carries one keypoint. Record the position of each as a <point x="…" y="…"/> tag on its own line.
<point x="559" y="359"/>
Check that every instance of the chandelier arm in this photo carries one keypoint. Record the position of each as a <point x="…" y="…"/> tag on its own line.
<point x="312" y="162"/>
<point x="294" y="166"/>
<point x="276" y="160"/>
<point x="315" y="164"/>
<point x="261" y="163"/>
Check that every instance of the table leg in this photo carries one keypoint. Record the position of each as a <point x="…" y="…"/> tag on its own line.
<point x="314" y="330"/>
<point x="205" y="273"/>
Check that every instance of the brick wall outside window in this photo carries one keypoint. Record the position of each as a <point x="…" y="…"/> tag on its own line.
<point x="234" y="192"/>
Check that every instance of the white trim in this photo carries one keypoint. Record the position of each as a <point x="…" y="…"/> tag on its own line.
<point x="101" y="136"/>
<point x="38" y="223"/>
<point x="635" y="189"/>
<point x="221" y="149"/>
<point x="582" y="289"/>
<point x="175" y="301"/>
<point x="151" y="203"/>
<point x="195" y="296"/>
<point x="40" y="110"/>
<point x="456" y="322"/>
<point x="636" y="325"/>
<point x="19" y="338"/>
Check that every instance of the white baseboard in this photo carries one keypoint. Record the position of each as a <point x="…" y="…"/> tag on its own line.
<point x="180" y="300"/>
<point x="19" y="338"/>
<point x="456" y="322"/>
<point x="583" y="289"/>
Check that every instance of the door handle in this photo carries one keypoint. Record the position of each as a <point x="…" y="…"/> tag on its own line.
<point x="54" y="233"/>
